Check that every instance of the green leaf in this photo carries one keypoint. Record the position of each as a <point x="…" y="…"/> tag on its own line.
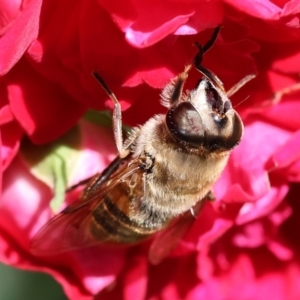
<point x="103" y="118"/>
<point x="53" y="163"/>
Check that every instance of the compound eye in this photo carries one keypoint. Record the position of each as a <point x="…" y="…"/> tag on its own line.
<point x="185" y="124"/>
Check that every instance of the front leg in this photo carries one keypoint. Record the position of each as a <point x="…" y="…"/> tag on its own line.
<point x="117" y="117"/>
<point x="198" y="206"/>
<point x="210" y="196"/>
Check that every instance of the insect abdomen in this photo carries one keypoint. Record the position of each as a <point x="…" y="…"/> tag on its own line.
<point x="112" y="224"/>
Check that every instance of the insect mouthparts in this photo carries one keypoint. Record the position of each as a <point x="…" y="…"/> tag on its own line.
<point x="221" y="120"/>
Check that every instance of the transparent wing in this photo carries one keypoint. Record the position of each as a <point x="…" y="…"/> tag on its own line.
<point x="70" y="229"/>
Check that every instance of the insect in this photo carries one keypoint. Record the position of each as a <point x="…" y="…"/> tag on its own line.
<point x="162" y="174"/>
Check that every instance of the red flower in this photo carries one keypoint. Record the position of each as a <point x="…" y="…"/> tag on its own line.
<point x="244" y="245"/>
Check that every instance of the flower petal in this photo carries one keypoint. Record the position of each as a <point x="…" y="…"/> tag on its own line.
<point x="21" y="33"/>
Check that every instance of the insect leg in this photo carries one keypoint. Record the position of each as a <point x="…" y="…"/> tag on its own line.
<point x="212" y="40"/>
<point x="117" y="116"/>
<point x="285" y="91"/>
<point x="82" y="182"/>
<point x="202" y="49"/>
<point x="178" y="88"/>
<point x="238" y="85"/>
<point x="172" y="93"/>
<point x="199" y="57"/>
<point x="196" y="208"/>
<point x="210" y="196"/>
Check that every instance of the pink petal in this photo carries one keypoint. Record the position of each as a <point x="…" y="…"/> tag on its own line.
<point x="56" y="54"/>
<point x="5" y="115"/>
<point x="280" y="251"/>
<point x="241" y="282"/>
<point x="81" y="272"/>
<point x="98" y="150"/>
<point x="11" y="134"/>
<point x="288" y="61"/>
<point x="262" y="206"/>
<point x="9" y="11"/>
<point x="38" y="112"/>
<point x="145" y="24"/>
<point x="249" y="172"/>
<point x="291" y="8"/>
<point x="18" y="37"/>
<point x="288" y="153"/>
<point x="284" y="115"/>
<point x="251" y="236"/>
<point x="146" y="39"/>
<point x="259" y="9"/>
<point x="292" y="172"/>
<point x="136" y="279"/>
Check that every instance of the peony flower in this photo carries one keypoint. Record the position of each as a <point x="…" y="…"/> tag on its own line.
<point x="244" y="245"/>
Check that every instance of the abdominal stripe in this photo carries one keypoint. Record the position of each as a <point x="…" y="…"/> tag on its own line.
<point x="116" y="224"/>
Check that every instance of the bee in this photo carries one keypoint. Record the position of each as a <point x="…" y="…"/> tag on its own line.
<point x="163" y="173"/>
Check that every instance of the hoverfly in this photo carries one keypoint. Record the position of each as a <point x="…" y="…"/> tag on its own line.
<point x="164" y="171"/>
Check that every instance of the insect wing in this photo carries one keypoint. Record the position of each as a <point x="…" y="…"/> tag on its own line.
<point x="66" y="231"/>
<point x="167" y="240"/>
<point x="70" y="229"/>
